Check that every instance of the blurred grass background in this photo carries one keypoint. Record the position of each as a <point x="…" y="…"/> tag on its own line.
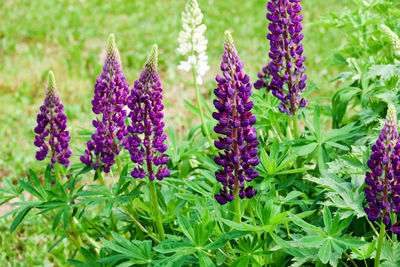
<point x="68" y="36"/>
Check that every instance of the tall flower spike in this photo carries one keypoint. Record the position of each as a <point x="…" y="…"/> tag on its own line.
<point x="192" y="41"/>
<point x="238" y="141"/>
<point x="110" y="97"/>
<point x="383" y="181"/>
<point x="284" y="74"/>
<point x="146" y="142"/>
<point x="394" y="38"/>
<point x="52" y="122"/>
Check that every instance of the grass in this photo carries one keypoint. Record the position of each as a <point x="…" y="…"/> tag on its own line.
<point x="69" y="36"/>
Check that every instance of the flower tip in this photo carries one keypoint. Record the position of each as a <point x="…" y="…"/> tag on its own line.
<point x="391" y="114"/>
<point x="112" y="50"/>
<point x="228" y="38"/>
<point x="152" y="59"/>
<point x="51" y="83"/>
<point x="51" y="80"/>
<point x="384" y="28"/>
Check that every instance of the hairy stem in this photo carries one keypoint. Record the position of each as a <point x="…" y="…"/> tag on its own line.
<point x="295" y="126"/>
<point x="380" y="242"/>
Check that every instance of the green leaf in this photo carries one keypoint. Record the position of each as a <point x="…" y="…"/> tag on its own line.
<point x="241" y="262"/>
<point x="327" y="216"/>
<point x="204" y="260"/>
<point x="313" y="241"/>
<point x="305" y="225"/>
<point x="27" y="187"/>
<point x="47" y="178"/>
<point x="324" y="253"/>
<point x="18" y="219"/>
<point x="186" y="228"/>
<point x="306" y="150"/>
<point x="350" y="242"/>
<point x="66" y="214"/>
<point x="222" y="239"/>
<point x="170" y="246"/>
<point x="78" y="263"/>
<point x="384" y="71"/>
<point x="56" y="220"/>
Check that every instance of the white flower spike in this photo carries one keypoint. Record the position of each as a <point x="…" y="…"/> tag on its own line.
<point x="394" y="38"/>
<point x="192" y="41"/>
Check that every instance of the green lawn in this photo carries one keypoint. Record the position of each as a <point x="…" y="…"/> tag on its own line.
<point x="68" y="37"/>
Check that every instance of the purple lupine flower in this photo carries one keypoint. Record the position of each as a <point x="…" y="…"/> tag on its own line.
<point x="146" y="142"/>
<point x="110" y="97"/>
<point x="383" y="181"/>
<point x="235" y="123"/>
<point x="284" y="74"/>
<point x="52" y="122"/>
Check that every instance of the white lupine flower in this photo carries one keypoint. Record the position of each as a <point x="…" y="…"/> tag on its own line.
<point x="394" y="38"/>
<point x="192" y="41"/>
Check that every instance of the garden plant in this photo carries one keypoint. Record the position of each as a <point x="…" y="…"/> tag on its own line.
<point x="268" y="163"/>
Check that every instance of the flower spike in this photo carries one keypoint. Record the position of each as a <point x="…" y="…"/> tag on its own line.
<point x="146" y="142"/>
<point x="52" y="122"/>
<point x="284" y="74"/>
<point x="110" y="96"/>
<point x="238" y="141"/>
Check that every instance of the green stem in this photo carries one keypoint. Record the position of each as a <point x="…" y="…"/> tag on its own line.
<point x="203" y="123"/>
<point x="128" y="212"/>
<point x="236" y="202"/>
<point x="77" y="236"/>
<point x="380" y="242"/>
<point x="156" y="210"/>
<point x="119" y="164"/>
<point x="57" y="172"/>
<point x="295" y="127"/>
<point x="99" y="176"/>
<point x="350" y="259"/>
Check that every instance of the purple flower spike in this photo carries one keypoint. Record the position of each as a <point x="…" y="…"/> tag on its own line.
<point x="146" y="142"/>
<point x="52" y="122"/>
<point x="238" y="140"/>
<point x="383" y="181"/>
<point x="110" y="97"/>
<point x="284" y="74"/>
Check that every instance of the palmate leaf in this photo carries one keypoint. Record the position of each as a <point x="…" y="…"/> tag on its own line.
<point x="342" y="194"/>
<point x="330" y="243"/>
<point x="301" y="255"/>
<point x="391" y="253"/>
<point x="135" y="251"/>
<point x="364" y="252"/>
<point x="384" y="71"/>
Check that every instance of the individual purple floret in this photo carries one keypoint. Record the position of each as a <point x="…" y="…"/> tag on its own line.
<point x="382" y="192"/>
<point x="235" y="119"/>
<point x="52" y="122"/>
<point x="110" y="97"/>
<point x="283" y="75"/>
<point x="146" y="142"/>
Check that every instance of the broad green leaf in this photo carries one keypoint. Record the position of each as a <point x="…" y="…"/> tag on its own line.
<point x="327" y="216"/>
<point x="324" y="253"/>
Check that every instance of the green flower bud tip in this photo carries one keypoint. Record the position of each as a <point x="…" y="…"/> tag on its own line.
<point x="394" y="38"/>
<point x="391" y="118"/>
<point x="112" y="50"/>
<point x="51" y="84"/>
<point x="152" y="59"/>
<point x="228" y="39"/>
